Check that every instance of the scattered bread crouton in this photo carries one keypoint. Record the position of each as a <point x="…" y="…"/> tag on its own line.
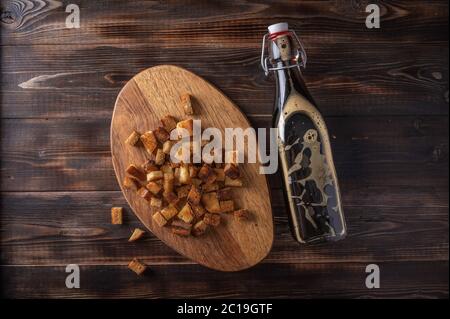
<point x="193" y="171"/>
<point x="195" y="195"/>
<point x="180" y="223"/>
<point x="212" y="219"/>
<point x="224" y="194"/>
<point x="135" y="172"/>
<point x="233" y="182"/>
<point x="174" y="165"/>
<point x="183" y="191"/>
<point x="186" y="214"/>
<point x="167" y="169"/>
<point x="133" y="138"/>
<point x="131" y="183"/>
<point x="169" y="212"/>
<point x="116" y="215"/>
<point x="199" y="228"/>
<point x="155" y="175"/>
<point x="169" y="123"/>
<point x="149" y="166"/>
<point x="176" y="174"/>
<point x="184" y="174"/>
<point x="168" y="182"/>
<point x="198" y="210"/>
<point x="159" y="218"/>
<point x="241" y="215"/>
<point x="226" y="206"/>
<point x="206" y="188"/>
<point x="160" y="157"/>
<point x="188" y="125"/>
<point x="207" y="174"/>
<point x="167" y="146"/>
<point x="232" y="171"/>
<point x="144" y="193"/>
<point x="187" y="104"/>
<point x="181" y="231"/>
<point x="156" y="202"/>
<point x="171" y="198"/>
<point x="137" y="266"/>
<point x="154" y="188"/>
<point x="195" y="181"/>
<point x="210" y="202"/>
<point x="149" y="141"/>
<point x="220" y="174"/>
<point x="161" y="134"/>
<point x="136" y="235"/>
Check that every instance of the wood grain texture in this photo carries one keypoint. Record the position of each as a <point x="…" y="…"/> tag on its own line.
<point x="142" y="103"/>
<point x="78" y="230"/>
<point x="384" y="94"/>
<point x="263" y="281"/>
<point x="84" y="80"/>
<point x="220" y="23"/>
<point x="388" y="156"/>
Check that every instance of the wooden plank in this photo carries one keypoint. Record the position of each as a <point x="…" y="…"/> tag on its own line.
<point x="393" y="169"/>
<point x="398" y="280"/>
<point x="370" y="152"/>
<point x="84" y="80"/>
<point x="204" y="23"/>
<point x="77" y="229"/>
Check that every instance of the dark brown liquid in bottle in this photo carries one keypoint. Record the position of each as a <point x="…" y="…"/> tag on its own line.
<point x="309" y="176"/>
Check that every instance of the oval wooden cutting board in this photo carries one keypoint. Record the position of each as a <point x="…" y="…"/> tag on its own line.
<point x="144" y="100"/>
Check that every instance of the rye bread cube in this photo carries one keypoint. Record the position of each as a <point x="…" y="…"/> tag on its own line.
<point x="186" y="214"/>
<point x="195" y="195"/>
<point x="149" y="141"/>
<point x="116" y="215"/>
<point x="137" y="266"/>
<point x="212" y="219"/>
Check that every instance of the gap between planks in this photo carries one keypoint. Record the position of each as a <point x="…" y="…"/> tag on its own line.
<point x="249" y="116"/>
<point x="277" y="262"/>
<point x="117" y="191"/>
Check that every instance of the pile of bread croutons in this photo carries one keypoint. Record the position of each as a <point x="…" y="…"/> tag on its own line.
<point x="188" y="198"/>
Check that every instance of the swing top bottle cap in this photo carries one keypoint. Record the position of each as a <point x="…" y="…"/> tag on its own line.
<point x="278" y="27"/>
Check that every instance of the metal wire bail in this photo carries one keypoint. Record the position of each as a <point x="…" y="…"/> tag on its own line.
<point x="300" y="52"/>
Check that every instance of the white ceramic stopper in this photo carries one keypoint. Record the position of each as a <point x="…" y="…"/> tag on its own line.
<point x="278" y="27"/>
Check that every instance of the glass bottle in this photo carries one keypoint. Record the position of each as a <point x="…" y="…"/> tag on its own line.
<point x="310" y="182"/>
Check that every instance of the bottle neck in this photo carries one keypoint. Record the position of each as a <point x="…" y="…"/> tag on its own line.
<point x="289" y="80"/>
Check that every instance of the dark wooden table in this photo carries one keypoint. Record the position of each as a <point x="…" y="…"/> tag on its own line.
<point x="384" y="93"/>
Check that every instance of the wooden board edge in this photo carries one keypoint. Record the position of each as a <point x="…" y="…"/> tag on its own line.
<point x="270" y="246"/>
